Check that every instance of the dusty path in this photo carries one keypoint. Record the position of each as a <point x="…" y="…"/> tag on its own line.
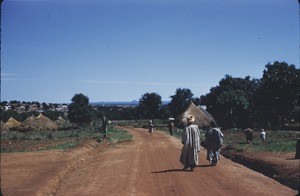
<point x="146" y="166"/>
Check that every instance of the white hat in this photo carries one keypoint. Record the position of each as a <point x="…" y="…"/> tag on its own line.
<point x="190" y="119"/>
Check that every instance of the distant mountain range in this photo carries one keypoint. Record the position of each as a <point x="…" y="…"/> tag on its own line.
<point x="121" y="103"/>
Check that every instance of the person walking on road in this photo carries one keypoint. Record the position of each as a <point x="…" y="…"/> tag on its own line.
<point x="151" y="127"/>
<point x="171" y="126"/>
<point x="104" y="125"/>
<point x="191" y="144"/>
<point x="214" y="141"/>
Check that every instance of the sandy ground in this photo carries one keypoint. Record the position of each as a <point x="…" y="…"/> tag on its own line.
<point x="148" y="165"/>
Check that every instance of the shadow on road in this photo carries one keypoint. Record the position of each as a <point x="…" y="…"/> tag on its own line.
<point x="177" y="170"/>
<point x="170" y="170"/>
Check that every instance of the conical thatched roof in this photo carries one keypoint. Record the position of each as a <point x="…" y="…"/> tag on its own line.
<point x="38" y="123"/>
<point x="12" y="123"/>
<point x="3" y="126"/>
<point x="202" y="117"/>
<point x="62" y="123"/>
<point x="26" y="124"/>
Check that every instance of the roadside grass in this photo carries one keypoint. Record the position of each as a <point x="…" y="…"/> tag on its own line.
<point x="14" y="141"/>
<point x="119" y="135"/>
<point x="276" y="141"/>
<point x="45" y="134"/>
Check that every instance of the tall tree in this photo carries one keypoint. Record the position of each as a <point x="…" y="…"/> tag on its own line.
<point x="149" y="105"/>
<point x="230" y="101"/>
<point x="80" y="111"/>
<point x="180" y="101"/>
<point x="278" y="92"/>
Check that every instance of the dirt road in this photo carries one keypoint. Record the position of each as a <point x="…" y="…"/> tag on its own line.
<point x="148" y="165"/>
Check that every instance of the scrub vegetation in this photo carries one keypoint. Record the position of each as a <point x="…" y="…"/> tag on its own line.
<point x="14" y="141"/>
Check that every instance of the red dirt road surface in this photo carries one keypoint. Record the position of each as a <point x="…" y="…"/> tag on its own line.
<point x="148" y="165"/>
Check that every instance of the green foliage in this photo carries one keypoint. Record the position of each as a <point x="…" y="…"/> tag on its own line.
<point x="45" y="140"/>
<point x="149" y="105"/>
<point x="28" y="114"/>
<point x="277" y="96"/>
<point x="80" y="111"/>
<point x="117" y="112"/>
<point x="269" y="102"/>
<point x="119" y="135"/>
<point x="5" y="115"/>
<point x="180" y="101"/>
<point x="230" y="102"/>
<point x="53" y="115"/>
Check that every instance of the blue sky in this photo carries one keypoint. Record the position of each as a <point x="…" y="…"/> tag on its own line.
<point x="112" y="50"/>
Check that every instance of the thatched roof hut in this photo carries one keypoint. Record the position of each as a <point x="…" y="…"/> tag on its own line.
<point x="202" y="117"/>
<point x="4" y="128"/>
<point x="26" y="124"/>
<point x="12" y="123"/>
<point x="62" y="123"/>
<point x="37" y="123"/>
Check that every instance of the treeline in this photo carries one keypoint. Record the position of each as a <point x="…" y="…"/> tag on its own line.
<point x="269" y="102"/>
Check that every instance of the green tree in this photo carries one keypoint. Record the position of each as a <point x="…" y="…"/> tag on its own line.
<point x="5" y="115"/>
<point x="277" y="96"/>
<point x="180" y="101"/>
<point x="230" y="102"/>
<point x="149" y="105"/>
<point x="25" y="115"/>
<point x="117" y="112"/>
<point x="53" y="115"/>
<point x="80" y="111"/>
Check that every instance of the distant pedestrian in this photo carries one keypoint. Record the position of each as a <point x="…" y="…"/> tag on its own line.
<point x="214" y="141"/>
<point x="151" y="127"/>
<point x="249" y="135"/>
<point x="104" y="125"/>
<point x="191" y="144"/>
<point x="262" y="135"/>
<point x="171" y="126"/>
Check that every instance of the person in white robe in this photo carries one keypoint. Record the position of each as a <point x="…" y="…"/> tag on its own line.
<point x="151" y="127"/>
<point x="191" y="144"/>
<point x="262" y="135"/>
